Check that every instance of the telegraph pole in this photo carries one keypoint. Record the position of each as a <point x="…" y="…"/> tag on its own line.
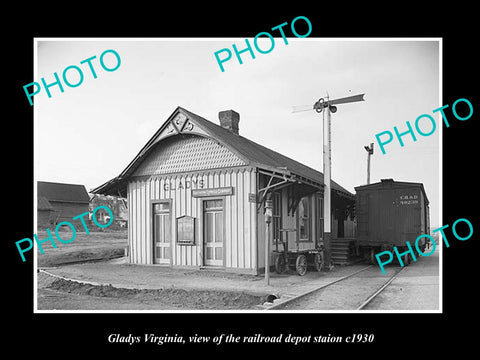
<point x="329" y="107"/>
<point x="327" y="193"/>
<point x="268" y="220"/>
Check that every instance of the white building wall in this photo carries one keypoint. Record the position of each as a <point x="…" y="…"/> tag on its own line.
<point x="240" y="220"/>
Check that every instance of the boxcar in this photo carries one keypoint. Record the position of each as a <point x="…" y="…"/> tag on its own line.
<point x="389" y="213"/>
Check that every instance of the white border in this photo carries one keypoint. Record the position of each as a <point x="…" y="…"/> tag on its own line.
<point x="440" y="310"/>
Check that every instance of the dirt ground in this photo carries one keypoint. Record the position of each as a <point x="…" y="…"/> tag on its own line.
<point x="60" y="294"/>
<point x="91" y="273"/>
<point x="97" y="245"/>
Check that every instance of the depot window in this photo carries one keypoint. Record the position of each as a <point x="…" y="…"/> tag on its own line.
<point x="304" y="219"/>
<point x="277" y="216"/>
<point x="319" y="219"/>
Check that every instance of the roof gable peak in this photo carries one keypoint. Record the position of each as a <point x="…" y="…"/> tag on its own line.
<point x="180" y="122"/>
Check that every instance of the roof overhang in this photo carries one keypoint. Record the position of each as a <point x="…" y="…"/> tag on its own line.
<point x="182" y="121"/>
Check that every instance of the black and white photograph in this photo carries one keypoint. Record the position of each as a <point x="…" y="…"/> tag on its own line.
<point x="218" y="193"/>
<point x="282" y="187"/>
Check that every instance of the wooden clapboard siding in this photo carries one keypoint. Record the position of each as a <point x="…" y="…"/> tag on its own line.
<point x="147" y="215"/>
<point x="241" y="224"/>
<point x="239" y="217"/>
<point x="228" y="223"/>
<point x="253" y="221"/>
<point x="234" y="227"/>
<point x="130" y="222"/>
<point x="246" y="220"/>
<point x="139" y="223"/>
<point x="177" y="211"/>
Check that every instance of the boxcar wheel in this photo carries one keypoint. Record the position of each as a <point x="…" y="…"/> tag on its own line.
<point x="280" y="264"/>
<point x="301" y="265"/>
<point x="318" y="261"/>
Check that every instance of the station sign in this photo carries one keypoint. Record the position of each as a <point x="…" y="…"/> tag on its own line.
<point x="221" y="191"/>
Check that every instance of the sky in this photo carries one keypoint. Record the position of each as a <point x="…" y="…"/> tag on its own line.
<point x="88" y="134"/>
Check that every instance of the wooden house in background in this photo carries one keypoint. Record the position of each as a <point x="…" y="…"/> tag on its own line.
<point x="66" y="201"/>
<point x="117" y="205"/>
<point x="196" y="194"/>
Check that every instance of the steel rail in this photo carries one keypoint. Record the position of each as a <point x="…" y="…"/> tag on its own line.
<point x="376" y="293"/>
<point x="280" y="304"/>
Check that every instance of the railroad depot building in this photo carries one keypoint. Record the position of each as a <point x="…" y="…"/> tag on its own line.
<point x="196" y="194"/>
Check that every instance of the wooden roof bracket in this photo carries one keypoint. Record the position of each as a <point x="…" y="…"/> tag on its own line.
<point x="270" y="186"/>
<point x="294" y="195"/>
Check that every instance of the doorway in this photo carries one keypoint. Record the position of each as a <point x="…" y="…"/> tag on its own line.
<point x="213" y="236"/>
<point x="162" y="233"/>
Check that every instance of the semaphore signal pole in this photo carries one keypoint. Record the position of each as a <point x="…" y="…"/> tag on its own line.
<point x="370" y="153"/>
<point x="328" y="106"/>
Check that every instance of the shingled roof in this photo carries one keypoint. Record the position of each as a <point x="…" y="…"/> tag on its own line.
<point x="62" y="192"/>
<point x="252" y="153"/>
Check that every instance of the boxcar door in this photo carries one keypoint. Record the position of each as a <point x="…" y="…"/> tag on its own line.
<point x="162" y="233"/>
<point x="213" y="232"/>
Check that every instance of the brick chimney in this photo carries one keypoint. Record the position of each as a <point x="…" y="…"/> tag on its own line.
<point x="229" y="120"/>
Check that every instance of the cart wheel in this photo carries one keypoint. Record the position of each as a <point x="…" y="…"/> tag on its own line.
<point x="318" y="261"/>
<point x="301" y="265"/>
<point x="280" y="264"/>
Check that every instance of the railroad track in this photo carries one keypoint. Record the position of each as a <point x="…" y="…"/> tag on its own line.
<point x="367" y="295"/>
<point x="376" y="293"/>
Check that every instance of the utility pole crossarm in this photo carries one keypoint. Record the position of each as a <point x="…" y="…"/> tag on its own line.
<point x="322" y="103"/>
<point x="348" y="99"/>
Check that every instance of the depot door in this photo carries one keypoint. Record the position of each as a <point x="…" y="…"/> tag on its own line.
<point x="162" y="233"/>
<point x="213" y="232"/>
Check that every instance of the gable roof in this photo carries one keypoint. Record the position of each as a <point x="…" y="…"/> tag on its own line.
<point x="254" y="154"/>
<point x="62" y="192"/>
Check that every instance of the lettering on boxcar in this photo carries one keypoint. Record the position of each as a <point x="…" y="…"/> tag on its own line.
<point x="408" y="199"/>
